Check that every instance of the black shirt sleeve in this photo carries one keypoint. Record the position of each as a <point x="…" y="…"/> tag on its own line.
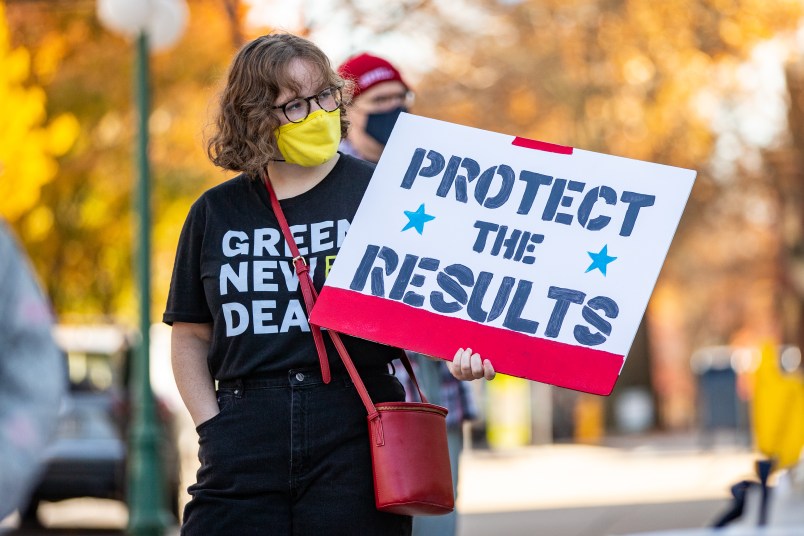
<point x="186" y="299"/>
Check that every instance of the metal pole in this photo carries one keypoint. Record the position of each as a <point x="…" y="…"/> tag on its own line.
<point x="147" y="516"/>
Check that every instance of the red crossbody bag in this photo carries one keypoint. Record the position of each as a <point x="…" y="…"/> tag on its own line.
<point x="409" y="452"/>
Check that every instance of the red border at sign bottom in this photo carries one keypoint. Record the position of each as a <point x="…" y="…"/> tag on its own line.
<point x="516" y="354"/>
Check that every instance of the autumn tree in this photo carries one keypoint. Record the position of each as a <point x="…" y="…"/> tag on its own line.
<point x="80" y="232"/>
<point x="635" y="79"/>
<point x="29" y="143"/>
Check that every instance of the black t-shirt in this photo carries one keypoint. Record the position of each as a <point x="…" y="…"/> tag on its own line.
<point x="233" y="269"/>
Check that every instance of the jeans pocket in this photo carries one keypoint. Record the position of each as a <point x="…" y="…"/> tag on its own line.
<point x="226" y="401"/>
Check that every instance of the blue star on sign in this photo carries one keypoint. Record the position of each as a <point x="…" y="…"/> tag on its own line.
<point x="600" y="260"/>
<point x="417" y="219"/>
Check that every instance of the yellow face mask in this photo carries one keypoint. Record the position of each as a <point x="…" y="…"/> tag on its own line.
<point x="311" y="142"/>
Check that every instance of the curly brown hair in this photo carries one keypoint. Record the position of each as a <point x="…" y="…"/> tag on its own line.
<point x="243" y="138"/>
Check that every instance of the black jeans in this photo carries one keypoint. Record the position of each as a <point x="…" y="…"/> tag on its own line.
<point x="290" y="456"/>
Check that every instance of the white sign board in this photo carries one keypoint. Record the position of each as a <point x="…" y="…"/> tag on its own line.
<point x="540" y="257"/>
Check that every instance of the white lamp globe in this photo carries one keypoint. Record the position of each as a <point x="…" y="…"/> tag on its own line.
<point x="163" y="20"/>
<point x="124" y="16"/>
<point x="166" y="23"/>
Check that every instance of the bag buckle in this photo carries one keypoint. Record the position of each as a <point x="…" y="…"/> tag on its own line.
<point x="299" y="269"/>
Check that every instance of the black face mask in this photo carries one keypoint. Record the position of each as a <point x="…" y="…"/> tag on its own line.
<point x="379" y="126"/>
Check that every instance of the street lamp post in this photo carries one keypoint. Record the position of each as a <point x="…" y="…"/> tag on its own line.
<point x="154" y="24"/>
<point x="146" y="499"/>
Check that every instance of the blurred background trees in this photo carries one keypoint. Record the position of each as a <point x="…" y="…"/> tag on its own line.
<point x="690" y="83"/>
<point x="28" y="144"/>
<point x="79" y="235"/>
<point x="644" y="80"/>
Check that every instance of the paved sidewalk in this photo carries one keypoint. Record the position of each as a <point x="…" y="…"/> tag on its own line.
<point x="594" y="520"/>
<point x="638" y="484"/>
<point x="634" y="484"/>
<point x="560" y="476"/>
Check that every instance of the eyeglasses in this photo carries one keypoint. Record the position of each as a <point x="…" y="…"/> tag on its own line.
<point x="298" y="109"/>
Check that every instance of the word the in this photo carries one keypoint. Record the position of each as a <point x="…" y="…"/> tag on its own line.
<point x="513" y="245"/>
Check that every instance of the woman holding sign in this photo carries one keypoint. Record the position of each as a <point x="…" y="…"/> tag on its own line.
<point x="280" y="450"/>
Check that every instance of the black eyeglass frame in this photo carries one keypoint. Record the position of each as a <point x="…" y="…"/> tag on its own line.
<point x="336" y="92"/>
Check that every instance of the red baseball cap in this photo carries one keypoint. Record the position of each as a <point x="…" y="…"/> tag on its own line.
<point x="366" y="71"/>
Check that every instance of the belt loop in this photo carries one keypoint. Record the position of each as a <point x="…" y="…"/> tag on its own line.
<point x="238" y="390"/>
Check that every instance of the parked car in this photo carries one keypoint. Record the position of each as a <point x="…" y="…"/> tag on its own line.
<point x="88" y="457"/>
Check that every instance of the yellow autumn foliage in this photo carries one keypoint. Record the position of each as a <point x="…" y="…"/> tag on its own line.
<point x="28" y="145"/>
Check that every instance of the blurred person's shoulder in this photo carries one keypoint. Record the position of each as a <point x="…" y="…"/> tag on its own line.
<point x="229" y="192"/>
<point x="11" y="254"/>
<point x="234" y="186"/>
<point x="7" y="240"/>
<point x="356" y="165"/>
<point x="358" y="171"/>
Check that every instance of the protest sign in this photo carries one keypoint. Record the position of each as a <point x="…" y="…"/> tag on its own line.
<point x="540" y="257"/>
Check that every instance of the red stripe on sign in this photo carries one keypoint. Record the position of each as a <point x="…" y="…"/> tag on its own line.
<point x="517" y="354"/>
<point x="541" y="146"/>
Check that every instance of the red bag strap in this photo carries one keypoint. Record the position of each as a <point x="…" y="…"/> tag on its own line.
<point x="303" y="272"/>
<point x="310" y="295"/>
<point x="409" y="369"/>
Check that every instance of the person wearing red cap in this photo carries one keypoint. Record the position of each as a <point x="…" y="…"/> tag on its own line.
<point x="379" y="96"/>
